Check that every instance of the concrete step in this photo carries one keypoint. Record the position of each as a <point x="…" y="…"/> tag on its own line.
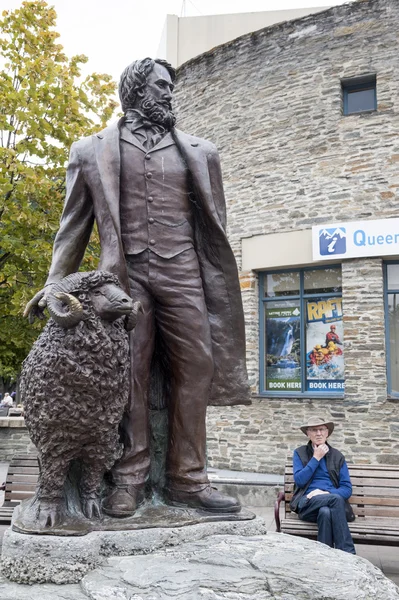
<point x="251" y="489"/>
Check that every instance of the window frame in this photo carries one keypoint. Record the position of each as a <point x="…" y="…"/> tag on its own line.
<point x="358" y="84"/>
<point x="387" y="292"/>
<point x="302" y="297"/>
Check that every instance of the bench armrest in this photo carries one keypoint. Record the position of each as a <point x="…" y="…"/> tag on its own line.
<point x="280" y="498"/>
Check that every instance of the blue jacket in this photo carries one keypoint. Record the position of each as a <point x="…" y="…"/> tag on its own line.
<point x="330" y="473"/>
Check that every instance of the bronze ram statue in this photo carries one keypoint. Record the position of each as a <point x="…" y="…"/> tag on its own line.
<point x="75" y="387"/>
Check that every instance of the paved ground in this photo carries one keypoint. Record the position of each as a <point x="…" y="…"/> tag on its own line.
<point x="384" y="557"/>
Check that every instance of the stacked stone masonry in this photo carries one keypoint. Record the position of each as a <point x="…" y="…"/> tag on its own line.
<point x="271" y="101"/>
<point x="14" y="439"/>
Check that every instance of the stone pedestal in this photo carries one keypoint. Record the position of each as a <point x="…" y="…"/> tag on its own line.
<point x="66" y="559"/>
<point x="183" y="564"/>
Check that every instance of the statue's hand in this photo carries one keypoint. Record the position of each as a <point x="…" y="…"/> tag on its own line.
<point x="35" y="307"/>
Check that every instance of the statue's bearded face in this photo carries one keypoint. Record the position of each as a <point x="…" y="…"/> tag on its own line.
<point x="156" y="103"/>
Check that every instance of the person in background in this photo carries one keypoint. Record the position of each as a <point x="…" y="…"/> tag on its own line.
<point x="323" y="486"/>
<point x="7" y="400"/>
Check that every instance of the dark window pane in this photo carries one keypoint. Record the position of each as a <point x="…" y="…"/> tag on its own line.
<point x="393" y="277"/>
<point x="322" y="281"/>
<point x="282" y="348"/>
<point x="281" y="284"/>
<point x="361" y="100"/>
<point x="393" y="310"/>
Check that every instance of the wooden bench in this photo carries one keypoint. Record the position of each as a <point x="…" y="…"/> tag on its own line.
<point x="22" y="477"/>
<point x="375" y="502"/>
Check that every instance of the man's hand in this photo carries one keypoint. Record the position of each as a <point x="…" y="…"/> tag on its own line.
<point x="320" y="451"/>
<point x="36" y="306"/>
<point x="316" y="493"/>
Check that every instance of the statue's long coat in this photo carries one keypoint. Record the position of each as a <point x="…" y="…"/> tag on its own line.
<point x="93" y="179"/>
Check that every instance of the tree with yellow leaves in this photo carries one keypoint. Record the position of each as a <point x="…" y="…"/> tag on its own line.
<point x="45" y="105"/>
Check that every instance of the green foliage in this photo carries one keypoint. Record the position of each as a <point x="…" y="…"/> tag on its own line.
<point x="44" y="106"/>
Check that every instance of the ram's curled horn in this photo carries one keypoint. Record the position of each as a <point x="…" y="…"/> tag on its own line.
<point x="71" y="283"/>
<point x="131" y="320"/>
<point x="68" y="319"/>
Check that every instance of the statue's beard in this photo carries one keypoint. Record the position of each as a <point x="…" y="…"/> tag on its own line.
<point x="157" y="112"/>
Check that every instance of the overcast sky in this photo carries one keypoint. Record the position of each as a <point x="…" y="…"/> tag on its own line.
<point x="112" y="33"/>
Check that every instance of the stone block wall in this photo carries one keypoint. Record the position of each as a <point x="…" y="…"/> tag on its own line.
<point x="272" y="103"/>
<point x="263" y="436"/>
<point x="14" y="438"/>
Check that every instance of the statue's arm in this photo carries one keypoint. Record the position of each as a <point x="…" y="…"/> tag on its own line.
<point x="73" y="235"/>
<point x="215" y="174"/>
<point x="76" y="222"/>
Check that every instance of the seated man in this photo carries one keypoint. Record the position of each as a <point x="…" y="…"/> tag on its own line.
<point x="323" y="486"/>
<point x="7" y="400"/>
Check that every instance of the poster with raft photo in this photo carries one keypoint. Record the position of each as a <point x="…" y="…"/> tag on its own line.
<point x="324" y="346"/>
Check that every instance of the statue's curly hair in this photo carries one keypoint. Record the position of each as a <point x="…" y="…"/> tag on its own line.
<point x="134" y="79"/>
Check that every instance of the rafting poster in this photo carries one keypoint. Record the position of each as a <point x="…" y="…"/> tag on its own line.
<point x="324" y="346"/>
<point x="283" y="372"/>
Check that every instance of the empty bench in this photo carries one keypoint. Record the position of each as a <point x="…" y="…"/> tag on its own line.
<point x="375" y="502"/>
<point x="22" y="478"/>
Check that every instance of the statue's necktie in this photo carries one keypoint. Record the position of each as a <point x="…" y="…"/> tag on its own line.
<point x="150" y="134"/>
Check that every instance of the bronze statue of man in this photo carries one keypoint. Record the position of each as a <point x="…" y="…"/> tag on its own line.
<point x="156" y="194"/>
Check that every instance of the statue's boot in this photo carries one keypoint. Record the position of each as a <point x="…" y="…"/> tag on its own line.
<point x="123" y="500"/>
<point x="208" y="499"/>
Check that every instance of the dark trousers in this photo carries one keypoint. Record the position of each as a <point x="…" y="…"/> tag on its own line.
<point x="172" y="297"/>
<point x="328" y="511"/>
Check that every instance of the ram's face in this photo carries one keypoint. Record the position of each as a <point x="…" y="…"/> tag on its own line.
<point x="110" y="302"/>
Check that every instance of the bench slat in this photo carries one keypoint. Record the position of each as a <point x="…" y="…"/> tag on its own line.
<point x="27" y="470"/>
<point x="23" y="463"/>
<point x="21" y="478"/>
<point x="366" y="500"/>
<point x="374" y="501"/>
<point x="365" y="482"/>
<point x="362" y="522"/>
<point x="17" y="495"/>
<point x="355" y="468"/>
<point x="354" y="527"/>
<point x="24" y="487"/>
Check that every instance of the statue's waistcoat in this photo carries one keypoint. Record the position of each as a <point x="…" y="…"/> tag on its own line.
<point x="155" y="208"/>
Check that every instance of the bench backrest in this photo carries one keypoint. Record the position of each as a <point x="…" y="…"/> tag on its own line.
<point x="375" y="490"/>
<point x="22" y="478"/>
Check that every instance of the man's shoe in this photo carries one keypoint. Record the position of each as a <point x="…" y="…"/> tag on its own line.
<point x="208" y="499"/>
<point x="123" y="500"/>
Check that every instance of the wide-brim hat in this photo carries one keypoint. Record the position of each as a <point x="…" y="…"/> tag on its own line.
<point x="316" y="422"/>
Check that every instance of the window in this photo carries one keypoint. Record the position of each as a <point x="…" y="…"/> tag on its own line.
<point x="359" y="94"/>
<point x="301" y="337"/>
<point x="392" y="326"/>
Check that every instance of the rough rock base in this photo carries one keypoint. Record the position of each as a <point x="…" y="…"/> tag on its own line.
<point x="220" y="567"/>
<point x="32" y="559"/>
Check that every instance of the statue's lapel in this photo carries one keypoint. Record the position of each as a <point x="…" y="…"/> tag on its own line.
<point x="127" y="135"/>
<point x="195" y="155"/>
<point x="109" y="165"/>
